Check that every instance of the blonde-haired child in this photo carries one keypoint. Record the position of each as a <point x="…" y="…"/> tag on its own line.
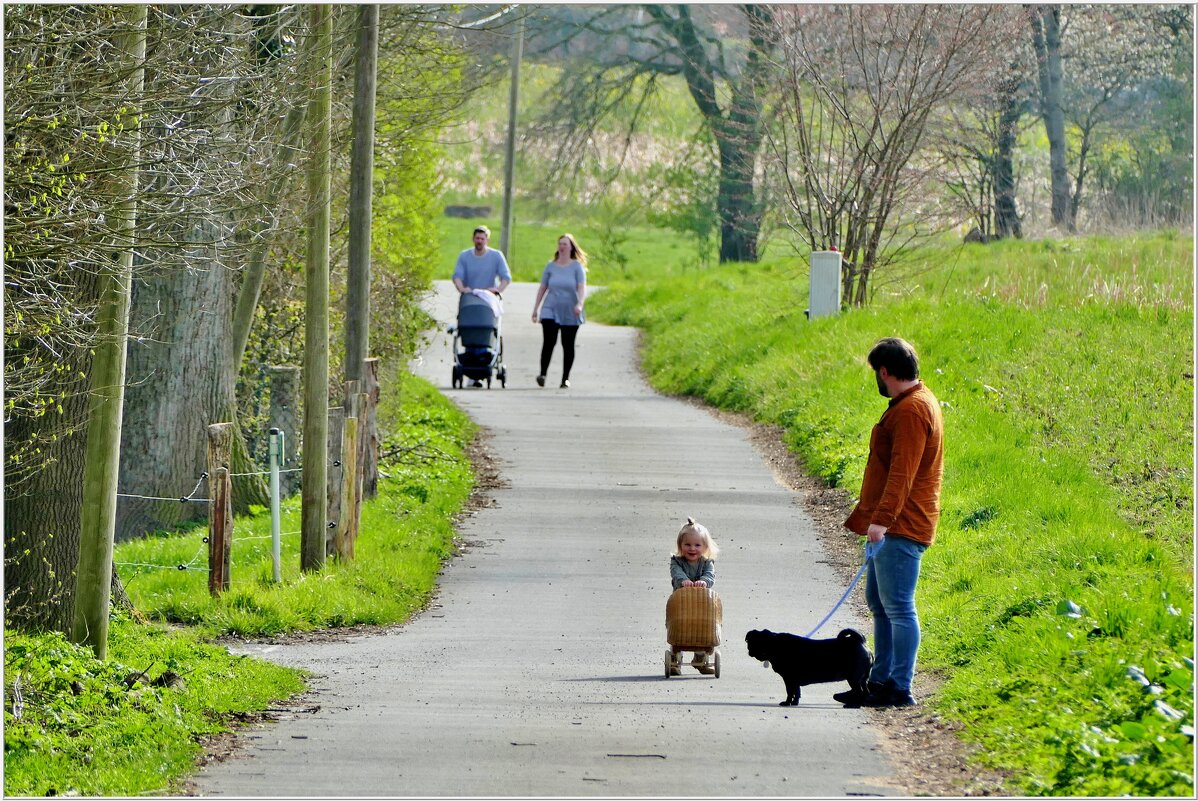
<point x="693" y="565"/>
<point x="693" y="562"/>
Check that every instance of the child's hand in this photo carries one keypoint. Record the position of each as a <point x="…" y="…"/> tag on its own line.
<point x="687" y="583"/>
<point x="699" y="583"/>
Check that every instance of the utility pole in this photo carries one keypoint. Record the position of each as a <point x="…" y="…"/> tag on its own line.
<point x="93" y="575"/>
<point x="314" y="501"/>
<point x="505" y="238"/>
<point x="357" y="292"/>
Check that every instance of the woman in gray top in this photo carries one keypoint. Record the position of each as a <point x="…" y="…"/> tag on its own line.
<point x="563" y="290"/>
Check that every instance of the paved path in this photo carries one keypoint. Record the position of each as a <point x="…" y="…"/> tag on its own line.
<point x="539" y="669"/>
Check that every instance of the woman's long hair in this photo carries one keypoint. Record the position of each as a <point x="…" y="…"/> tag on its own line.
<point x="576" y="252"/>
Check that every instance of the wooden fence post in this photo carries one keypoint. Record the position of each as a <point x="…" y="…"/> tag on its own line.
<point x="347" y="529"/>
<point x="368" y="423"/>
<point x="220" y="506"/>
<point x="335" y="468"/>
<point x="284" y="415"/>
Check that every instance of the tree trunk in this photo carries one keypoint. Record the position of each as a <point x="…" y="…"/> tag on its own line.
<point x="314" y="502"/>
<point x="740" y="219"/>
<point x="1046" y="36"/>
<point x="93" y="577"/>
<point x="1006" y="212"/>
<point x="179" y="385"/>
<point x="41" y="515"/>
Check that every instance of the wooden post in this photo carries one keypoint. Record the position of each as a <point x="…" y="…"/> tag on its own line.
<point x="314" y="518"/>
<point x="220" y="506"/>
<point x="284" y="415"/>
<point x="361" y="185"/>
<point x="369" y="424"/>
<point x="335" y="466"/>
<point x="347" y="528"/>
<point x="97" y="524"/>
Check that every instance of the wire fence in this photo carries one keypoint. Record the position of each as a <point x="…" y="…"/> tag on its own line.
<point x="201" y="554"/>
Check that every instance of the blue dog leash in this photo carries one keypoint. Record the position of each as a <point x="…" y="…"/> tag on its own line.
<point x="871" y="548"/>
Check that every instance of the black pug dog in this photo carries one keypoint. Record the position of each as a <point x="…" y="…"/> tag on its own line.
<point x="801" y="661"/>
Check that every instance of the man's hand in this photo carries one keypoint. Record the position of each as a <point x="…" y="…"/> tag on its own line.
<point x="875" y="533"/>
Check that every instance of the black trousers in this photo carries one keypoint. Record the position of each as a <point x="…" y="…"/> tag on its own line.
<point x="549" y="329"/>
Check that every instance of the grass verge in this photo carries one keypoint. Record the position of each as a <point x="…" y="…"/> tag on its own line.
<point x="1058" y="598"/>
<point x="75" y="724"/>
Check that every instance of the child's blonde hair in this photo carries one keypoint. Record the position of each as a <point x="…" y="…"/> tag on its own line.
<point x="691" y="527"/>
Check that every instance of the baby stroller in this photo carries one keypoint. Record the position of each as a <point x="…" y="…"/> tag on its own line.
<point x="477" y="343"/>
<point x="693" y="619"/>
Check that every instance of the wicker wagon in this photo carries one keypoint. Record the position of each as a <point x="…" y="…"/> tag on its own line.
<point x="693" y="619"/>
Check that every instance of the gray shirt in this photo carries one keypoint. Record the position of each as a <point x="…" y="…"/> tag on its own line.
<point x="680" y="570"/>
<point x="481" y="272"/>
<point x="562" y="294"/>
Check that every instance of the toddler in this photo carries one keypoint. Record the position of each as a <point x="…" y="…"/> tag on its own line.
<point x="693" y="565"/>
<point x="693" y="562"/>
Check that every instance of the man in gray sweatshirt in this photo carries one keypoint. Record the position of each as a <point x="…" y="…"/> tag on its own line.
<point x="481" y="267"/>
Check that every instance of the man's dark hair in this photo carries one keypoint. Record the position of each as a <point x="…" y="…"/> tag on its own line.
<point x="897" y="356"/>
<point x="482" y="229"/>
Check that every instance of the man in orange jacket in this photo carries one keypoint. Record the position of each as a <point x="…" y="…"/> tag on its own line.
<point x="898" y="509"/>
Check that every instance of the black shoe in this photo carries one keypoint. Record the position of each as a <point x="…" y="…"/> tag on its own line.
<point x="565" y="383"/>
<point x="888" y="695"/>
<point x="540" y="381"/>
<point x="854" y="697"/>
<point x="477" y="384"/>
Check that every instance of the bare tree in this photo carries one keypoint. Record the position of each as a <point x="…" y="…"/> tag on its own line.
<point x="204" y="116"/>
<point x="979" y="147"/>
<point x="721" y="52"/>
<point x="66" y="145"/>
<point x="1112" y="51"/>
<point x="1045" y="25"/>
<point x="859" y="87"/>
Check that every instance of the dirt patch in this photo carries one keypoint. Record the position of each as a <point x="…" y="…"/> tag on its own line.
<point x="928" y="757"/>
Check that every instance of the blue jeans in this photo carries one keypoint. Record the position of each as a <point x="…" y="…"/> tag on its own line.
<point x="890" y="592"/>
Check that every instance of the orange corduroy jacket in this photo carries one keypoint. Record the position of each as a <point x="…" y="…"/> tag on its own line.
<point x="901" y="486"/>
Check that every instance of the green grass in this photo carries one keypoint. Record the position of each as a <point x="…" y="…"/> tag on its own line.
<point x="1065" y="369"/>
<point x="106" y="738"/>
<point x="405" y="534"/>
<point x="82" y="727"/>
<point x="647" y="250"/>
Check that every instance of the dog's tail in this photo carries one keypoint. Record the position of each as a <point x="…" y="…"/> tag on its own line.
<point x="851" y="634"/>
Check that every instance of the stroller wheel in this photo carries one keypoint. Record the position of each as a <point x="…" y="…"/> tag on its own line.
<point x="457" y="377"/>
<point x="669" y="663"/>
<point x="717" y="664"/>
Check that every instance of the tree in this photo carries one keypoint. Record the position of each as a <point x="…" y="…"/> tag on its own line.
<point x="979" y="146"/>
<point x="858" y="89"/>
<point x="721" y="52"/>
<point x="64" y="108"/>
<point x="1113" y="51"/>
<point x="1045" y="25"/>
<point x="67" y="129"/>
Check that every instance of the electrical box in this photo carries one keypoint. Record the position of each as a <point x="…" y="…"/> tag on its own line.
<point x="825" y="284"/>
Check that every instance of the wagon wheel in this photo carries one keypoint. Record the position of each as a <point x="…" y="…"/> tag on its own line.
<point x="717" y="664"/>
